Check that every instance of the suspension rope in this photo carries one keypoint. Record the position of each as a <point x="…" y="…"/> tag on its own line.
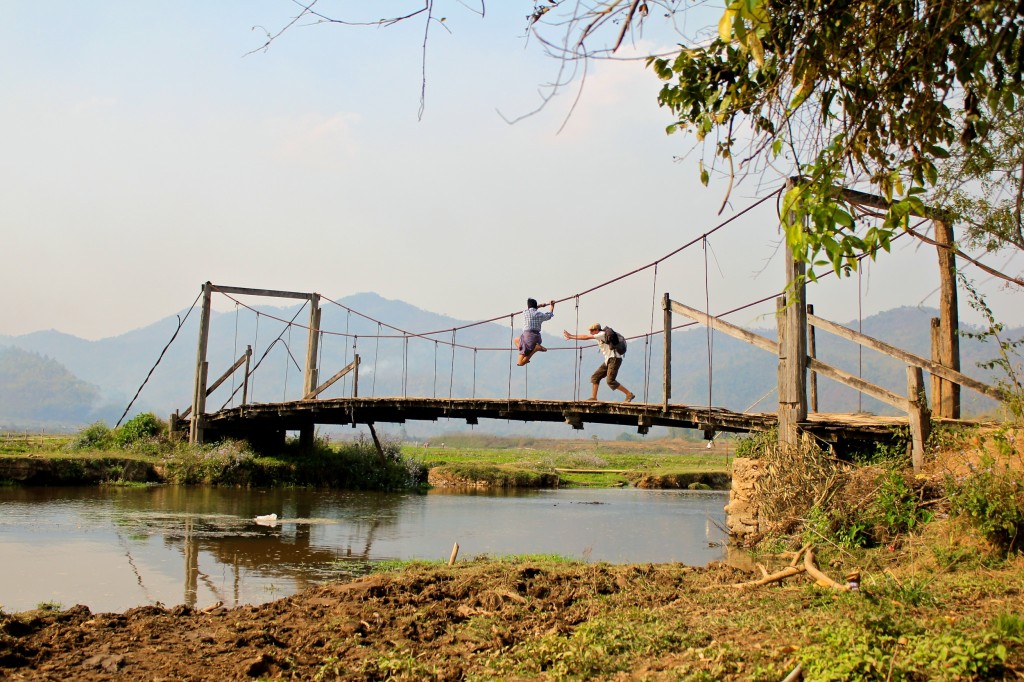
<point x="474" y="372"/>
<point x="252" y="371"/>
<point x="577" y="357"/>
<point x="451" y="376"/>
<point x="287" y="345"/>
<point x="376" y="352"/>
<point x="512" y="324"/>
<point x="435" y="368"/>
<point x="707" y="308"/>
<point x="234" y="356"/>
<point x="181" y="323"/>
<point x="648" y="346"/>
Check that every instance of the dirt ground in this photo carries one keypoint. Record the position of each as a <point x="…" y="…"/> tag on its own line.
<point x="493" y="619"/>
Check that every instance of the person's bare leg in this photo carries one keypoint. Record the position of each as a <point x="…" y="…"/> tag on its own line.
<point x="629" y="394"/>
<point x="593" y="393"/>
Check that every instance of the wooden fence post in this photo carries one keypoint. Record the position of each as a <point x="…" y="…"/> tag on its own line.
<point x="666" y="305"/>
<point x="949" y="321"/>
<point x="918" y="416"/>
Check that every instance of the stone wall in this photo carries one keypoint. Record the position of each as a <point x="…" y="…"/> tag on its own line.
<point x="741" y="512"/>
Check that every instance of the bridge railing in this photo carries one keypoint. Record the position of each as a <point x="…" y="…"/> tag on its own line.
<point x="914" y="404"/>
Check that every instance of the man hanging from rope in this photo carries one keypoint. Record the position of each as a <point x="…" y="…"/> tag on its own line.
<point x="612" y="346"/>
<point x="528" y="342"/>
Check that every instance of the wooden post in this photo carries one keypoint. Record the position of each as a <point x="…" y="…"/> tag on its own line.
<point x="195" y="433"/>
<point x="666" y="305"/>
<point x="312" y="344"/>
<point x="792" y="325"/>
<point x="949" y="322"/>
<point x="245" y="379"/>
<point x="812" y="352"/>
<point x="355" y="376"/>
<point x="917" y="415"/>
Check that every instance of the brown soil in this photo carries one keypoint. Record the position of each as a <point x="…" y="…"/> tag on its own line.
<point x="449" y="623"/>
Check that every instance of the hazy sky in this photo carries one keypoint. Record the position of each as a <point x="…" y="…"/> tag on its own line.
<point x="146" y="152"/>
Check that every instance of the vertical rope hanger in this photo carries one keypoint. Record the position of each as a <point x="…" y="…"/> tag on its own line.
<point x="376" y="352"/>
<point x="577" y="356"/>
<point x="252" y="372"/>
<point x="288" y="347"/>
<point x="355" y="354"/>
<point x="512" y="325"/>
<point x="435" y="368"/>
<point x="474" y="372"/>
<point x="648" y="341"/>
<point x="707" y="309"/>
<point x="451" y="376"/>
<point x="860" y="348"/>
<point x="405" y="367"/>
<point x="344" y="381"/>
<point x="234" y="355"/>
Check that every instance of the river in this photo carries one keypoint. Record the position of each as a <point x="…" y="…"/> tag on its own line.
<point x="114" y="548"/>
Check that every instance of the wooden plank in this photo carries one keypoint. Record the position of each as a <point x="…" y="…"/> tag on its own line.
<point x="888" y="397"/>
<point x="262" y="292"/>
<point x="224" y="377"/>
<point x="909" y="358"/>
<point x="732" y="330"/>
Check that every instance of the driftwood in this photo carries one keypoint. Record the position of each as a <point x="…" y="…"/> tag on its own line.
<point x="808" y="567"/>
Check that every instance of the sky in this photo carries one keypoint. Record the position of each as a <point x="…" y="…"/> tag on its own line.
<point x="152" y="146"/>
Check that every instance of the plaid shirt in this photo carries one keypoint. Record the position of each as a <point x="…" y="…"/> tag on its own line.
<point x="533" y="318"/>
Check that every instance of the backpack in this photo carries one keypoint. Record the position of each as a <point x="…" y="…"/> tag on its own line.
<point x="615" y="340"/>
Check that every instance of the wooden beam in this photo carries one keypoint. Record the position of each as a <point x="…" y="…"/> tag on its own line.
<point x="909" y="358"/>
<point x="376" y="442"/>
<point x="324" y="386"/>
<point x="888" y="397"/>
<point x="732" y="330"/>
<point x="261" y="292"/>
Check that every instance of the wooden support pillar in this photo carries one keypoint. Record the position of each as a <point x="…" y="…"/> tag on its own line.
<point x="245" y="379"/>
<point x="306" y="438"/>
<point x="666" y="306"/>
<point x="312" y="345"/>
<point x="918" y="416"/>
<point x="195" y="434"/>
<point x="376" y="442"/>
<point x="791" y="311"/>
<point x="949" y="321"/>
<point x="812" y="353"/>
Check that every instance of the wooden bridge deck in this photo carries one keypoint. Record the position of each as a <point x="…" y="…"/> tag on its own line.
<point x="298" y="415"/>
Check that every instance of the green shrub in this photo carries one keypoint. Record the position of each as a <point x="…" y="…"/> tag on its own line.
<point x="96" y="436"/>
<point x="991" y="498"/>
<point x="895" y="508"/>
<point x="141" y="427"/>
<point x="755" y="444"/>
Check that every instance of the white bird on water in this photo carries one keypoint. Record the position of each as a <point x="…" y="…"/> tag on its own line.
<point x="267" y="520"/>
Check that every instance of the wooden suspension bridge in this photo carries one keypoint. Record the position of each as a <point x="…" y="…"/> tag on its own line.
<point x="265" y="424"/>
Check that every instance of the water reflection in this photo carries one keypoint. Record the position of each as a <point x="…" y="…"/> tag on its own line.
<point x="115" y="548"/>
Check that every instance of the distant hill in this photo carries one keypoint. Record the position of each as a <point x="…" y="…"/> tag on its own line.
<point x="36" y="391"/>
<point x="742" y="378"/>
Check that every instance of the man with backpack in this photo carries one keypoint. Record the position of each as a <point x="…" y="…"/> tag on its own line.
<point x="612" y="346"/>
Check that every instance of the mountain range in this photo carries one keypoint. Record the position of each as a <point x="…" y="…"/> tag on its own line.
<point x="54" y="381"/>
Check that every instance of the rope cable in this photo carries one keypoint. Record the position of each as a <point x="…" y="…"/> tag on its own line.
<point x="181" y="323"/>
<point x="648" y="345"/>
<point x="707" y="308"/>
<point x="451" y="376"/>
<point x="234" y="356"/>
<point x="376" y="352"/>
